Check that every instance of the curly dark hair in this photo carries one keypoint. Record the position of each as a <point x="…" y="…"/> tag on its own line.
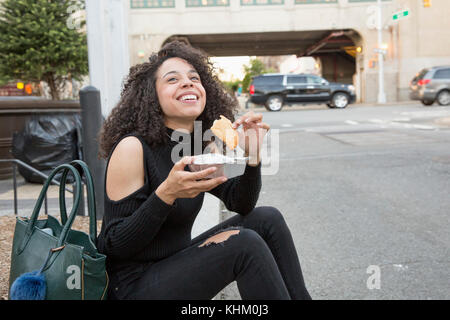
<point x="138" y="110"/>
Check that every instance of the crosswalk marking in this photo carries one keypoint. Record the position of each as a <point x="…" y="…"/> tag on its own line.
<point x="402" y="119"/>
<point x="424" y="127"/>
<point x="396" y="123"/>
<point x="377" y="121"/>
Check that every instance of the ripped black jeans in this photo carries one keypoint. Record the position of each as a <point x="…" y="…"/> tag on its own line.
<point x="261" y="258"/>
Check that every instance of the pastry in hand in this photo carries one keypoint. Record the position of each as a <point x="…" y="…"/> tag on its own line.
<point x="223" y="129"/>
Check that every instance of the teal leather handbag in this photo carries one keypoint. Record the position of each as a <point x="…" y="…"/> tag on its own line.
<point x="66" y="261"/>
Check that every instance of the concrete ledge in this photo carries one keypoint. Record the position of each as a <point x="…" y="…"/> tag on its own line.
<point x="208" y="216"/>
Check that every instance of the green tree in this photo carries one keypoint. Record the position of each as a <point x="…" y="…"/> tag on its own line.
<point x="255" y="68"/>
<point x="3" y="80"/>
<point x="231" y="86"/>
<point x="246" y="82"/>
<point x="40" y="42"/>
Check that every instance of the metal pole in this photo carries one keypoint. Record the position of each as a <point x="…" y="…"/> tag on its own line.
<point x="108" y="48"/>
<point x="15" y="187"/>
<point x="92" y="120"/>
<point x="381" y="92"/>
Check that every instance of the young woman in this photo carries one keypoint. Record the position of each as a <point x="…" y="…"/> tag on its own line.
<point x="151" y="202"/>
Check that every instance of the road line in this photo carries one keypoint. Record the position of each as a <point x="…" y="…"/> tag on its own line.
<point x="377" y="121"/>
<point x="402" y="119"/>
<point x="423" y="127"/>
<point x="403" y="125"/>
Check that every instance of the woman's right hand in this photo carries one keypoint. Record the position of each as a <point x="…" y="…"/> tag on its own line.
<point x="184" y="184"/>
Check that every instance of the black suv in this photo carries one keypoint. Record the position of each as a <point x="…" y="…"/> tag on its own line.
<point x="275" y="90"/>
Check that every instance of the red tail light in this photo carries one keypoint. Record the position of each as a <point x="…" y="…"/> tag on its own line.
<point x="423" y="82"/>
<point x="252" y="90"/>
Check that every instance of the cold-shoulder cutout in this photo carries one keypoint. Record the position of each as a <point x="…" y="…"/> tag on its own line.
<point x="125" y="173"/>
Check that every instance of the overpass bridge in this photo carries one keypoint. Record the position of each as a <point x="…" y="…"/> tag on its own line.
<point x="329" y="29"/>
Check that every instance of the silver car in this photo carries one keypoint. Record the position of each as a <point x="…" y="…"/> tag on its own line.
<point x="431" y="85"/>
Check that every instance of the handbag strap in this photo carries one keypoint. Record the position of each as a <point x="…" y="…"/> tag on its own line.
<point x="37" y="208"/>
<point x="83" y="169"/>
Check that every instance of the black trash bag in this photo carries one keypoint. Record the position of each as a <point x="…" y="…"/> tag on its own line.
<point x="46" y="142"/>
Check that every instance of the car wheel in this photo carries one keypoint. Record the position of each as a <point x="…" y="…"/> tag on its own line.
<point x="427" y="102"/>
<point x="274" y="103"/>
<point x="443" y="98"/>
<point x="340" y="100"/>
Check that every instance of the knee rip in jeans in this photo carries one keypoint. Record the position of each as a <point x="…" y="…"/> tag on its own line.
<point x="220" y="237"/>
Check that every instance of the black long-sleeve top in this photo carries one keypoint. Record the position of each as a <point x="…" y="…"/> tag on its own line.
<point x="141" y="228"/>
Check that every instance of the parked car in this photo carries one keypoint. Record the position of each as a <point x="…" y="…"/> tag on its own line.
<point x="431" y="85"/>
<point x="275" y="90"/>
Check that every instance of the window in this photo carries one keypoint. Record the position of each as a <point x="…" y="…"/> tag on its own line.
<point x="314" y="1"/>
<point x="207" y="3"/>
<point x="296" y="80"/>
<point x="268" y="80"/>
<point x="314" y="80"/>
<point x="351" y="1"/>
<point x="420" y="75"/>
<point x="137" y="4"/>
<point x="442" y="74"/>
<point x="260" y="2"/>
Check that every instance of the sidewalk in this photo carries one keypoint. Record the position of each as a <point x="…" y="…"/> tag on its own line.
<point x="27" y="194"/>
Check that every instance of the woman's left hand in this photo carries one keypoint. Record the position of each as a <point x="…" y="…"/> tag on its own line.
<point x="252" y="135"/>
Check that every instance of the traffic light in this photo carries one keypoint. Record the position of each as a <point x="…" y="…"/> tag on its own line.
<point x="426" y="3"/>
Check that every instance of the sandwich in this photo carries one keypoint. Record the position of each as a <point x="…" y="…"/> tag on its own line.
<point x="223" y="129"/>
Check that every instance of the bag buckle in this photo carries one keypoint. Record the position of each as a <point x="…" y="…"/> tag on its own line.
<point x="58" y="248"/>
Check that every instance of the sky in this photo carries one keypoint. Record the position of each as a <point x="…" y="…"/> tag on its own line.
<point x="232" y="66"/>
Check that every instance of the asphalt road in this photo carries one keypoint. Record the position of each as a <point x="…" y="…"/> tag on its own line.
<point x="365" y="192"/>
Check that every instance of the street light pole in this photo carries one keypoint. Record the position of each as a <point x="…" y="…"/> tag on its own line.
<point x="381" y="92"/>
<point x="107" y="35"/>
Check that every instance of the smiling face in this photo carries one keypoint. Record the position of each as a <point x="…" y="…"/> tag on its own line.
<point x="180" y="93"/>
